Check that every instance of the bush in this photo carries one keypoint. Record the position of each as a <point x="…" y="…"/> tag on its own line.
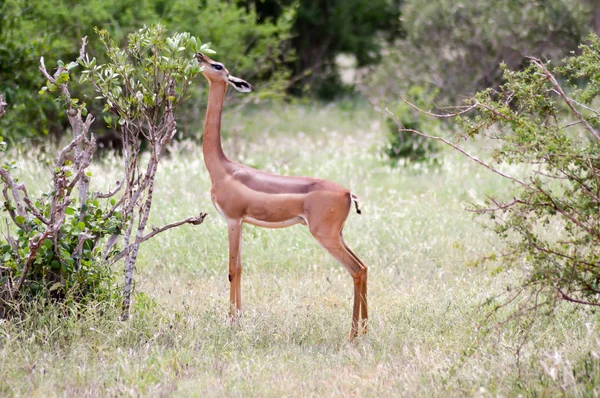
<point x="59" y="245"/>
<point x="545" y="118"/>
<point x="456" y="46"/>
<point x="404" y="146"/>
<point x="66" y="266"/>
<point x="321" y="30"/>
<point x="53" y="29"/>
<point x="52" y="249"/>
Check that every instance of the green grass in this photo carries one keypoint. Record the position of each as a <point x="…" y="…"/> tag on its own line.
<point x="425" y="293"/>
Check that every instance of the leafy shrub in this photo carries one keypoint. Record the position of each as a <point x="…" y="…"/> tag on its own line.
<point x="59" y="245"/>
<point x="457" y="46"/>
<point x="404" y="146"/>
<point x="544" y="118"/>
<point x="321" y="30"/>
<point x="142" y="85"/>
<point x="30" y="29"/>
<point x="52" y="248"/>
<point x="67" y="265"/>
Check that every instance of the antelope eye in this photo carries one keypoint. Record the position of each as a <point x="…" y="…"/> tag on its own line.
<point x="217" y="66"/>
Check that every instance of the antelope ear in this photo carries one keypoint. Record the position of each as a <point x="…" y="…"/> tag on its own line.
<point x="239" y="84"/>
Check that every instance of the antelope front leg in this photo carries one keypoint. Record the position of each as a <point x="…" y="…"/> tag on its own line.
<point x="234" y="230"/>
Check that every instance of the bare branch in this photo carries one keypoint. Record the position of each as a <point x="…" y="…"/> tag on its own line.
<point x="60" y="160"/>
<point x="197" y="220"/>
<point x="104" y="195"/>
<point x="465" y="109"/>
<point x="578" y="103"/>
<point x="30" y="205"/>
<point x="565" y="297"/>
<point x="561" y="93"/>
<point x="42" y="69"/>
<point x="499" y="206"/>
<point x="8" y="207"/>
<point x="6" y="177"/>
<point x="484" y="164"/>
<point x="82" y="238"/>
<point x="21" y="207"/>
<point x="34" y="244"/>
<point x="10" y="239"/>
<point x="109" y="244"/>
<point x="82" y="53"/>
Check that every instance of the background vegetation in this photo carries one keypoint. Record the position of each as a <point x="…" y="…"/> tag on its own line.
<point x="443" y="318"/>
<point x="426" y="288"/>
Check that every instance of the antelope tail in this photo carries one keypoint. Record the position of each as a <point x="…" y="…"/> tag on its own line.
<point x="354" y="199"/>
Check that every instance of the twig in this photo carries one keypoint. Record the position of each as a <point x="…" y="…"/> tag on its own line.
<point x="82" y="238"/>
<point x="8" y="207"/>
<point x="558" y="254"/>
<point x="442" y="116"/>
<point x="42" y="69"/>
<point x="528" y="331"/>
<point x="499" y="206"/>
<point x="82" y="53"/>
<point x="552" y="200"/>
<point x="34" y="245"/>
<point x="10" y="239"/>
<point x="104" y="195"/>
<point x="587" y="108"/>
<point x="484" y="164"/>
<point x="197" y="220"/>
<point x="21" y="208"/>
<point x="565" y="297"/>
<point x="13" y="186"/>
<point x="60" y="160"/>
<point x="561" y="93"/>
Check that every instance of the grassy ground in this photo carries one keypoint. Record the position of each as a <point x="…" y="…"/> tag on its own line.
<point x="425" y="292"/>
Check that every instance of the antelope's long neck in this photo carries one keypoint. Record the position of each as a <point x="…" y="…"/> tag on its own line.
<point x="214" y="157"/>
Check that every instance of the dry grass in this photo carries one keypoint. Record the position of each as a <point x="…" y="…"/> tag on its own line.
<point x="425" y="293"/>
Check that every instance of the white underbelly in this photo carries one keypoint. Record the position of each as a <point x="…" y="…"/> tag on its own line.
<point x="278" y="224"/>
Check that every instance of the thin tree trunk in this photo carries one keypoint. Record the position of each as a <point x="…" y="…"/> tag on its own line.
<point x="131" y="256"/>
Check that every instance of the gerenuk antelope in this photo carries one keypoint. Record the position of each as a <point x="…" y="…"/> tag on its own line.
<point x="243" y="194"/>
